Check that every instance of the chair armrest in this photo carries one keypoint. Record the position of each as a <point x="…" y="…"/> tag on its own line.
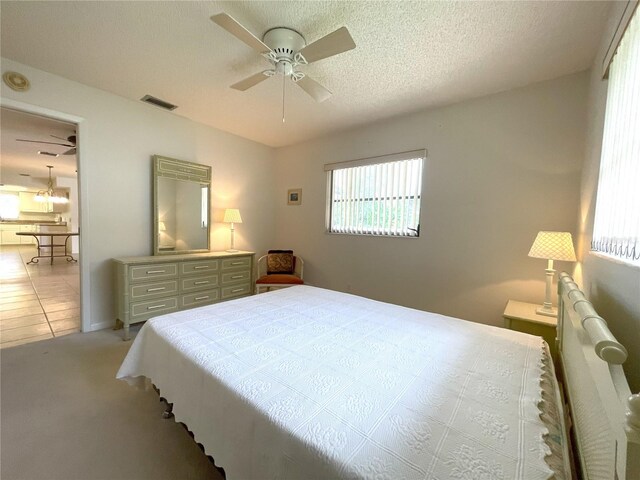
<point x="261" y="266"/>
<point x="299" y="268"/>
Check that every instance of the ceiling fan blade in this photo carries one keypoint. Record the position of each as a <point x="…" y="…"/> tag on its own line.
<point x="234" y="28"/>
<point x="48" y="143"/>
<point x="249" y="82"/>
<point x="71" y="151"/>
<point x="313" y="88"/>
<point x="71" y="138"/>
<point x="337" y="42"/>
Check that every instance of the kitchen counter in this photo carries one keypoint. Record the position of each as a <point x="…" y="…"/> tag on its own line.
<point x="31" y="222"/>
<point x="9" y="230"/>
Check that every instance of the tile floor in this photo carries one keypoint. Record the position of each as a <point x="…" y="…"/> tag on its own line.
<point x="37" y="301"/>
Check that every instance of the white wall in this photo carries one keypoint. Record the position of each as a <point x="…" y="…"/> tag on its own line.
<point x="118" y="138"/>
<point x="499" y="169"/>
<point x="613" y="287"/>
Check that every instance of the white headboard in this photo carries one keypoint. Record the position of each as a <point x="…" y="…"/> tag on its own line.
<point x="605" y="416"/>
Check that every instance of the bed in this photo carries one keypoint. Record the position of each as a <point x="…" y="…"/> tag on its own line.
<point x="309" y="383"/>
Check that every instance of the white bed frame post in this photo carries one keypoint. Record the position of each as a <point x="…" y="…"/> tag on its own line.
<point x="606" y="416"/>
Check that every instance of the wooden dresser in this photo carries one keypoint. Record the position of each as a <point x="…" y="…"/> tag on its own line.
<point x="151" y="286"/>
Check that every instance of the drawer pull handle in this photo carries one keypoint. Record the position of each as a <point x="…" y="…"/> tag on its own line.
<point x="153" y="307"/>
<point x="237" y="276"/>
<point x="155" y="271"/>
<point x="237" y="263"/>
<point x="201" y="282"/>
<point x="198" y="267"/>
<point x="202" y="298"/>
<point x="236" y="290"/>
<point x="156" y="289"/>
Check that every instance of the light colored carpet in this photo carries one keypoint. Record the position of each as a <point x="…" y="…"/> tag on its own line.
<point x="65" y="416"/>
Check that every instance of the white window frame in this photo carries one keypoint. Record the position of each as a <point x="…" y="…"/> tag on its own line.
<point x="382" y="159"/>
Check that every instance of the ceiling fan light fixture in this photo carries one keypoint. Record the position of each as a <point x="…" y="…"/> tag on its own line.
<point x="284" y="67"/>
<point x="50" y="195"/>
<point x="49" y="154"/>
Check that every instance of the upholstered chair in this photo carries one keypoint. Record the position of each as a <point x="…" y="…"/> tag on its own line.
<point x="279" y="268"/>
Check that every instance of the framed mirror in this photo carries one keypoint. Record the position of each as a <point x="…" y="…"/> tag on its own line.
<point x="181" y="206"/>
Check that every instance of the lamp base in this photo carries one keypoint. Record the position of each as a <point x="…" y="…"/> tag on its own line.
<point x="232" y="250"/>
<point x="547" y="311"/>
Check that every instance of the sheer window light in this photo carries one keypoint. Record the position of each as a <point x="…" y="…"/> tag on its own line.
<point x="204" y="207"/>
<point x="9" y="206"/>
<point x="376" y="196"/>
<point x="616" y="228"/>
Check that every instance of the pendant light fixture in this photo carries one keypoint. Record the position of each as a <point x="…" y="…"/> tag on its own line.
<point x="50" y="196"/>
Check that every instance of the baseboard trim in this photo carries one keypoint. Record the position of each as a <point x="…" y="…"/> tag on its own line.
<point x="100" y="326"/>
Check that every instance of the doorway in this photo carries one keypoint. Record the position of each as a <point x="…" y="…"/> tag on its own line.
<point x="39" y="228"/>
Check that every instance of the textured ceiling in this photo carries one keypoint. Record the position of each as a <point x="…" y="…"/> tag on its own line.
<point x="409" y="55"/>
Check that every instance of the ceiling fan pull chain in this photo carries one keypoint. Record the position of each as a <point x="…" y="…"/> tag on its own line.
<point x="283" y="85"/>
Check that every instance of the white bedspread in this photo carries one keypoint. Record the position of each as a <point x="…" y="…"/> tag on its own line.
<point x="309" y="383"/>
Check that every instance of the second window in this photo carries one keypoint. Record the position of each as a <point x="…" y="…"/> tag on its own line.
<point x="376" y="196"/>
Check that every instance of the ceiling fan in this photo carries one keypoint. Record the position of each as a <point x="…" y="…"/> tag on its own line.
<point x="71" y="145"/>
<point x="286" y="50"/>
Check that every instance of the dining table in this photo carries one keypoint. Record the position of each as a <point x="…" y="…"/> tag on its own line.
<point x="50" y="253"/>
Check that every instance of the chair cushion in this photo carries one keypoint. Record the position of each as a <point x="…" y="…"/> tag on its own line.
<point x="280" y="278"/>
<point x="280" y="261"/>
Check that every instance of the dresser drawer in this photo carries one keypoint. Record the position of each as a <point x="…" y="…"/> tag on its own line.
<point x="235" y="291"/>
<point x="156" y="289"/>
<point x="236" y="263"/>
<point x="154" y="307"/>
<point x="199" y="298"/>
<point x="202" y="266"/>
<point x="152" y="272"/>
<point x="199" y="282"/>
<point x="236" y="277"/>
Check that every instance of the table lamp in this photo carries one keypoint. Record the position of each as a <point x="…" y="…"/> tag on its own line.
<point x="552" y="246"/>
<point x="232" y="215"/>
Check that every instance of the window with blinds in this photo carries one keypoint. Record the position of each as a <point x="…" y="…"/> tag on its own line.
<point x="376" y="196"/>
<point x="616" y="228"/>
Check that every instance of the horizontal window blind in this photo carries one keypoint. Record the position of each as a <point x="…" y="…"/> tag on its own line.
<point x="376" y="199"/>
<point x="616" y="228"/>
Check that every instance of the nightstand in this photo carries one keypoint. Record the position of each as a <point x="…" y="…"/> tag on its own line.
<point x="522" y="317"/>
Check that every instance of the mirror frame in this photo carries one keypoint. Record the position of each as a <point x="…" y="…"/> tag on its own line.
<point x="184" y="171"/>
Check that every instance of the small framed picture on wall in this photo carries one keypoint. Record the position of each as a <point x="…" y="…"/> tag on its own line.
<point x="294" y="196"/>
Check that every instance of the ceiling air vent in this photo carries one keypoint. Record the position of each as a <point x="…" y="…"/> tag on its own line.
<point x="158" y="103"/>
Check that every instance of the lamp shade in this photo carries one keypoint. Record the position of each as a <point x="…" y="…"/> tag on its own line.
<point x="553" y="246"/>
<point x="232" y="215"/>
<point x="162" y="227"/>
